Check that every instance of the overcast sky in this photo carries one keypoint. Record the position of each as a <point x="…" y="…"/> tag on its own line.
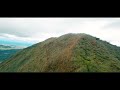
<point x="33" y="30"/>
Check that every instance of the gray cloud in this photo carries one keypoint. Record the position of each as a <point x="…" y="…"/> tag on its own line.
<point x="25" y="27"/>
<point x="115" y="24"/>
<point x="41" y="28"/>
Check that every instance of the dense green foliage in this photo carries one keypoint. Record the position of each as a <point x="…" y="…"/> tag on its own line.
<point x="94" y="55"/>
<point x="67" y="53"/>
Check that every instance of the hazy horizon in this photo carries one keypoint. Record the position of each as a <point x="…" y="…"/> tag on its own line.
<point x="28" y="31"/>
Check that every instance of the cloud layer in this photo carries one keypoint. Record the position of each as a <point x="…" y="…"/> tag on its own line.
<point x="38" y="29"/>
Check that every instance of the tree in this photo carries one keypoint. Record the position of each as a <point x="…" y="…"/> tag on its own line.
<point x="97" y="39"/>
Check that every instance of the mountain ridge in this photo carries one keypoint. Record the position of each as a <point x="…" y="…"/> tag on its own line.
<point x="67" y="53"/>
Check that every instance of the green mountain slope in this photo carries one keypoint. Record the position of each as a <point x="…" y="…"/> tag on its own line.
<point x="67" y="53"/>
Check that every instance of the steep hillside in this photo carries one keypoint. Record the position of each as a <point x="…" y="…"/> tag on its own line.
<point x="67" y="53"/>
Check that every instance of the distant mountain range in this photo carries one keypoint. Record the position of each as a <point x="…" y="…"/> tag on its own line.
<point x="8" y="50"/>
<point x="67" y="53"/>
<point x="9" y="47"/>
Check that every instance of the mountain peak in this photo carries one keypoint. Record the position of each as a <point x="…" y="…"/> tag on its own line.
<point x="68" y="53"/>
